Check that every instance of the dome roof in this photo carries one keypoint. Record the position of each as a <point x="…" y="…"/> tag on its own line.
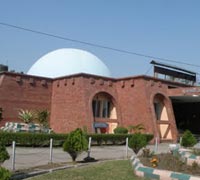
<point x="68" y="61"/>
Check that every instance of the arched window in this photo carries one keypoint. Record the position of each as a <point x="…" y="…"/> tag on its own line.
<point x="160" y="108"/>
<point x="103" y="107"/>
<point x="163" y="122"/>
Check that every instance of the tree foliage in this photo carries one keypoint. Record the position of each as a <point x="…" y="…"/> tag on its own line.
<point x="26" y="116"/>
<point x="137" y="141"/>
<point x="120" y="130"/>
<point x="42" y="117"/>
<point x="3" y="153"/>
<point x="4" y="174"/>
<point x="75" y="143"/>
<point x="188" y="139"/>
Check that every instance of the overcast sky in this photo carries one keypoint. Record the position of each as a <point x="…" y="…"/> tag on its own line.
<point x="167" y="29"/>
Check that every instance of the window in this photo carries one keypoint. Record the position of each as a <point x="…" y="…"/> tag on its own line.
<point x="102" y="106"/>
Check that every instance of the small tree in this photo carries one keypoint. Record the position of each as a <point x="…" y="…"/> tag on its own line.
<point x="4" y="173"/>
<point x="26" y="115"/>
<point x="42" y="117"/>
<point x="75" y="143"/>
<point x="120" y="130"/>
<point x="137" y="141"/>
<point x="188" y="139"/>
<point x="3" y="153"/>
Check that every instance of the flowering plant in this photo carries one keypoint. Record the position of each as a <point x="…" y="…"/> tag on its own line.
<point x="154" y="161"/>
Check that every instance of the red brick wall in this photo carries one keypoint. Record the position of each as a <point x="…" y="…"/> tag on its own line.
<point x="72" y="101"/>
<point x="23" y="92"/>
<point x="69" y="99"/>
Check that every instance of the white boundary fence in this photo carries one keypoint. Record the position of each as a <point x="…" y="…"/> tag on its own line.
<point x="26" y="157"/>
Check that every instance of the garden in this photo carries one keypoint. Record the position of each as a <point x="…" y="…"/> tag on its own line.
<point x="73" y="143"/>
<point x="182" y="160"/>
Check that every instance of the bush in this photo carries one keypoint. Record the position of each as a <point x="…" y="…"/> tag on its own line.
<point x="149" y="137"/>
<point x="26" y="116"/>
<point x="105" y="139"/>
<point x="75" y="143"/>
<point x="137" y="141"/>
<point x="121" y="130"/>
<point x="32" y="139"/>
<point x="4" y="174"/>
<point x="3" y="153"/>
<point x="42" y="117"/>
<point x="188" y="140"/>
<point x="41" y="139"/>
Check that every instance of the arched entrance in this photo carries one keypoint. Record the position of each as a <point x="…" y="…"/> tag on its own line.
<point x="104" y="113"/>
<point x="162" y="117"/>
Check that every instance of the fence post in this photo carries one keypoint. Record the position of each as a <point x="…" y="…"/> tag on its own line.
<point x="51" y="151"/>
<point x="13" y="155"/>
<point x="89" y="146"/>
<point x="156" y="145"/>
<point x="180" y="141"/>
<point x="126" y="147"/>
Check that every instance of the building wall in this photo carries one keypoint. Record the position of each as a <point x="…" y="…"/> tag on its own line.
<point x="72" y="101"/>
<point x="23" y="92"/>
<point x="136" y="101"/>
<point x="69" y="100"/>
<point x="133" y="103"/>
<point x="133" y="98"/>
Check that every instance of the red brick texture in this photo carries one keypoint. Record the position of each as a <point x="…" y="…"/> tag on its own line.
<point x="69" y="99"/>
<point x="19" y="91"/>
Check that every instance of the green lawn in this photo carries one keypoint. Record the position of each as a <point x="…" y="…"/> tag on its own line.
<point x="111" y="170"/>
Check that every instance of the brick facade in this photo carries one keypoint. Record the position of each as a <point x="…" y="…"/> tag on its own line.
<point x="69" y="99"/>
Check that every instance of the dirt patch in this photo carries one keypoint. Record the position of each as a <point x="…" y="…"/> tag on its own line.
<point x="172" y="163"/>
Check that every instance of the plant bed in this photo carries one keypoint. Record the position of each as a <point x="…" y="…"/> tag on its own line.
<point x="167" y="161"/>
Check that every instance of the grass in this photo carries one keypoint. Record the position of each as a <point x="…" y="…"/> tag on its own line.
<point x="110" y="170"/>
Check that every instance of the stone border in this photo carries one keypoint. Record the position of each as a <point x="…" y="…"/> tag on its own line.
<point x="152" y="173"/>
<point x="188" y="157"/>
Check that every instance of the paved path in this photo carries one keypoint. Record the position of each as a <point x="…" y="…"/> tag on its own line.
<point x="32" y="157"/>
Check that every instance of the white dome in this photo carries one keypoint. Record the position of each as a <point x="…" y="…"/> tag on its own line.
<point x="68" y="61"/>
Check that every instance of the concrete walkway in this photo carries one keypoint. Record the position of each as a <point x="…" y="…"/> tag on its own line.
<point x="32" y="157"/>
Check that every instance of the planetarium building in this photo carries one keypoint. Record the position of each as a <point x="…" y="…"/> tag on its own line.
<point x="77" y="89"/>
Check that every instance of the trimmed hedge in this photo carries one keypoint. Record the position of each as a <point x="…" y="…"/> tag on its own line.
<point x="32" y="139"/>
<point x="120" y="130"/>
<point x="113" y="139"/>
<point x="40" y="140"/>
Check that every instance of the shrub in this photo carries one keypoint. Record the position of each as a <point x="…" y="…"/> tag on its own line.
<point x="149" y="137"/>
<point x="32" y="139"/>
<point x="137" y="141"/>
<point x="188" y="139"/>
<point x="121" y="130"/>
<point x="3" y="153"/>
<point x="42" y="117"/>
<point x="26" y="116"/>
<point x="113" y="139"/>
<point x="75" y="143"/>
<point x="4" y="174"/>
<point x="42" y="139"/>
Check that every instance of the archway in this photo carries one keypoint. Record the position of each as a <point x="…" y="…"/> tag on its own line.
<point x="162" y="117"/>
<point x="104" y="113"/>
